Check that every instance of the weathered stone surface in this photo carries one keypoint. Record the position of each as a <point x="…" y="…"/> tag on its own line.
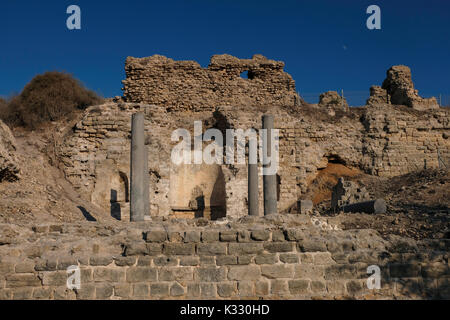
<point x="9" y="167"/>
<point x="148" y="81"/>
<point x="398" y="84"/>
<point x="245" y="248"/>
<point x="175" y="274"/>
<point x="298" y="286"/>
<point x="211" y="274"/>
<point x="179" y="248"/>
<point x="211" y="249"/>
<point x="277" y="271"/>
<point x="141" y="274"/>
<point x="176" y="290"/>
<point x="155" y="236"/>
<point x="279" y="246"/>
<point x="244" y="273"/>
<point x="226" y="289"/>
<point x="260" y="235"/>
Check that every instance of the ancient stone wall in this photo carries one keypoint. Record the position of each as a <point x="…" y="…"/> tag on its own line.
<point x="244" y="259"/>
<point x="186" y="85"/>
<point x="380" y="140"/>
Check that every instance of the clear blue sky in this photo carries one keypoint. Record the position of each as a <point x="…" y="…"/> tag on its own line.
<point x="325" y="44"/>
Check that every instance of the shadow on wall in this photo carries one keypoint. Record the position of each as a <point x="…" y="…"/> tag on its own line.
<point x="218" y="198"/>
<point x="115" y="206"/>
<point x="86" y="214"/>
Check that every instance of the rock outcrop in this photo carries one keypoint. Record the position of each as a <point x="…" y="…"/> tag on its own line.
<point x="9" y="168"/>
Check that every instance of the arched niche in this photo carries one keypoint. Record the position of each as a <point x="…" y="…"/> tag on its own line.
<point x="197" y="191"/>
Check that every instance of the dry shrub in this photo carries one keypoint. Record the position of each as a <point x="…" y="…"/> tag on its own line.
<point x="48" y="97"/>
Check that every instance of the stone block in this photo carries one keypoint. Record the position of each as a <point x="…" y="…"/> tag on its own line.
<point x="189" y="260"/>
<point x="267" y="258"/>
<point x="245" y="248"/>
<point x="141" y="290"/>
<point x="210" y="235"/>
<point x="192" y="236"/>
<point x="313" y="245"/>
<point x="279" y="246"/>
<point x="208" y="290"/>
<point x="86" y="292"/>
<point x="244" y="273"/>
<point x="228" y="236"/>
<point x="260" y="235"/>
<point x="103" y="291"/>
<point x="278" y="235"/>
<point x="163" y="261"/>
<point x="261" y="288"/>
<point x="226" y="260"/>
<point x="277" y="271"/>
<point x="160" y="289"/>
<point x="125" y="261"/>
<point x="308" y="272"/>
<point x="100" y="260"/>
<point x="298" y="286"/>
<point x="246" y="289"/>
<point x="340" y="271"/>
<point x="318" y="286"/>
<point x="42" y="293"/>
<point x="176" y="290"/>
<point x="107" y="274"/>
<point x="175" y="274"/>
<point x="305" y="206"/>
<point x="179" y="249"/>
<point x="279" y="287"/>
<point x="141" y="274"/>
<point x="122" y="290"/>
<point x="226" y="289"/>
<point x="210" y="274"/>
<point x="211" y="248"/>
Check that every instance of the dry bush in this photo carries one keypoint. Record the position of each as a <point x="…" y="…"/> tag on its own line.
<point x="48" y="97"/>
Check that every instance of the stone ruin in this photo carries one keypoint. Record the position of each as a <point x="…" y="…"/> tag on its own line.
<point x="278" y="256"/>
<point x="154" y="80"/>
<point x="382" y="139"/>
<point x="347" y="192"/>
<point x="398" y="89"/>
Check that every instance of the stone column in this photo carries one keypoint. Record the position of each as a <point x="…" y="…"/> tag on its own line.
<point x="374" y="206"/>
<point x="253" y="190"/>
<point x="146" y="185"/>
<point x="137" y="168"/>
<point x="269" y="181"/>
